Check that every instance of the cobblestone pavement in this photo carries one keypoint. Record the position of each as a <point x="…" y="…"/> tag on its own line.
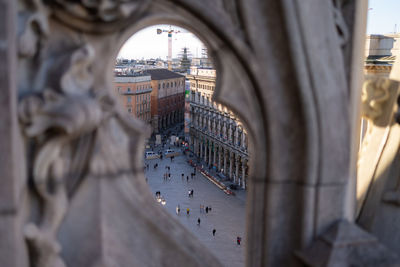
<point x="227" y="215"/>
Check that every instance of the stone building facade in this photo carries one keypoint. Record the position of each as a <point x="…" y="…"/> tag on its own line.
<point x="167" y="98"/>
<point x="217" y="136"/>
<point x="134" y="93"/>
<point x="381" y="51"/>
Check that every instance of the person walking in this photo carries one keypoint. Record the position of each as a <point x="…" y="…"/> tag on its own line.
<point x="187" y="178"/>
<point x="213" y="231"/>
<point x="238" y="240"/>
<point x="206" y="209"/>
<point x="178" y="210"/>
<point x="198" y="221"/>
<point x="191" y="192"/>
<point x="187" y="211"/>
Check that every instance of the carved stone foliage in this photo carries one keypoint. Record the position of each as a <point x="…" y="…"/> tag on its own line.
<point x="58" y="121"/>
<point x="97" y="15"/>
<point x="84" y="155"/>
<point x="341" y="26"/>
<point x="375" y="94"/>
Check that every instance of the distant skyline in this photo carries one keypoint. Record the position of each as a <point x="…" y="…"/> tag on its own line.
<point x="148" y="44"/>
<point x="383" y="18"/>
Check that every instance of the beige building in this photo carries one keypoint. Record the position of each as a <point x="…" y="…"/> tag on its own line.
<point x="216" y="136"/>
<point x="380" y="53"/>
<point x="134" y="93"/>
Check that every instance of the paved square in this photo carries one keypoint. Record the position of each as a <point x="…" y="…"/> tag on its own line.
<point x="227" y="215"/>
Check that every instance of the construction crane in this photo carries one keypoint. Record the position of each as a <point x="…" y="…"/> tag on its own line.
<point x="170" y="32"/>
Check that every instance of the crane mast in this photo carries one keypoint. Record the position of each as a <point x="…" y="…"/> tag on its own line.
<point x="170" y="32"/>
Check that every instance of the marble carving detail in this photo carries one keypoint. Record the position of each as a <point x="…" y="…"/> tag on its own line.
<point x="60" y="122"/>
<point x="375" y="94"/>
<point x="55" y="120"/>
<point x="341" y="26"/>
<point x="97" y="15"/>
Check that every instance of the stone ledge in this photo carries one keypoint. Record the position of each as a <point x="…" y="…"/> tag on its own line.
<point x="346" y="244"/>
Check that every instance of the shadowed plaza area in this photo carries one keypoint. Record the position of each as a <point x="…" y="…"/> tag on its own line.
<point x="227" y="213"/>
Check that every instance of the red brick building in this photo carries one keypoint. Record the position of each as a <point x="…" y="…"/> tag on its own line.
<point x="167" y="98"/>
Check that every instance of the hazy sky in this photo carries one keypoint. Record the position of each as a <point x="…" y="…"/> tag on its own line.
<point x="148" y="44"/>
<point x="383" y="17"/>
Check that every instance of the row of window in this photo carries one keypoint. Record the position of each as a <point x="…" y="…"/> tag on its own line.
<point x="138" y="88"/>
<point x="169" y="84"/>
<point x="142" y="107"/>
<point x="228" y="134"/>
<point x="144" y="116"/>
<point x="203" y="86"/>
<point x="139" y="98"/>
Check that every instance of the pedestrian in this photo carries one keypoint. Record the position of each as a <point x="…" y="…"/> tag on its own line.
<point x="178" y="210"/>
<point x="209" y="208"/>
<point x="206" y="209"/>
<point x="198" y="221"/>
<point x="238" y="240"/>
<point x="187" y="211"/>
<point x="169" y="175"/>
<point x="187" y="178"/>
<point x="213" y="232"/>
<point x="191" y="192"/>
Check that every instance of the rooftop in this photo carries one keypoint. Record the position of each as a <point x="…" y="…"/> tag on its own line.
<point x="163" y="74"/>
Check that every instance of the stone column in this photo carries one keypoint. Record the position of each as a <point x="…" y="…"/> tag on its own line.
<point x="12" y="246"/>
<point x="220" y="155"/>
<point x="243" y="180"/>
<point x="230" y="164"/>
<point x="201" y="149"/>
<point x="205" y="150"/>
<point x="215" y="154"/>
<point x="210" y="160"/>
<point x="197" y="147"/>
<point x="237" y="169"/>
<point x="225" y="156"/>
<point x="244" y="140"/>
